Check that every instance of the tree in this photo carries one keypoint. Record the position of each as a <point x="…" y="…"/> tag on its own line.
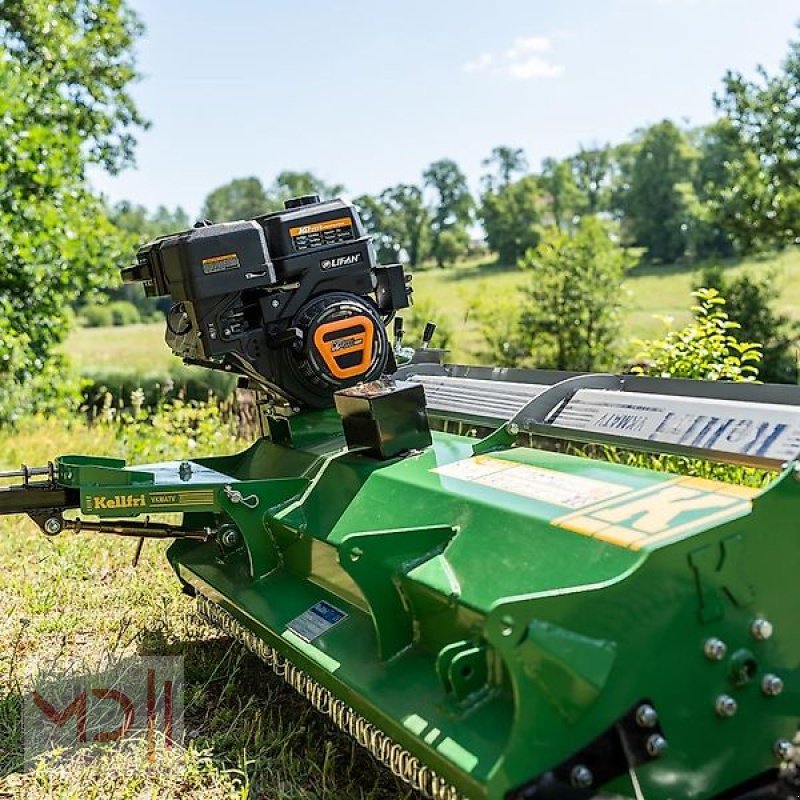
<point x="511" y="217"/>
<point x="78" y="55"/>
<point x="506" y="162"/>
<point x="64" y="72"/>
<point x="749" y="303"/>
<point x="376" y="222"/>
<point x="761" y="202"/>
<point x="407" y="220"/>
<point x="564" y="198"/>
<point x="655" y="202"/>
<point x="452" y="210"/>
<point x="293" y="184"/>
<point x="708" y="348"/>
<point x="591" y="169"/>
<point x="240" y="198"/>
<point x="144" y="225"/>
<point x="568" y="315"/>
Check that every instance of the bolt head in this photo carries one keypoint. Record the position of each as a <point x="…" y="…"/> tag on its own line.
<point x="783" y="749"/>
<point x="656" y="745"/>
<point x="581" y="777"/>
<point x="512" y="428"/>
<point x="646" y="716"/>
<point x="52" y="526"/>
<point x="726" y="706"/>
<point x="230" y="537"/>
<point x="761" y="629"/>
<point x="275" y="303"/>
<point x="771" y="685"/>
<point x="715" y="649"/>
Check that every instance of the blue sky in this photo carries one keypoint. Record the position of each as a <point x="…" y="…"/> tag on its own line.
<point x="367" y="93"/>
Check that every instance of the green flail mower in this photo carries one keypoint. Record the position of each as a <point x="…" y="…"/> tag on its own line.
<point x="410" y="546"/>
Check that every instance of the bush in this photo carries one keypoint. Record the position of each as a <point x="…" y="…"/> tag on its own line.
<point x="749" y="302"/>
<point x="124" y="313"/>
<point x="96" y="316"/>
<point x="128" y="388"/>
<point x="568" y="316"/>
<point x="103" y="315"/>
<point x="707" y="348"/>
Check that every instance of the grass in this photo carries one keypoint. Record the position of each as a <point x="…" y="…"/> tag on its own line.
<point x="74" y="603"/>
<point x="454" y="293"/>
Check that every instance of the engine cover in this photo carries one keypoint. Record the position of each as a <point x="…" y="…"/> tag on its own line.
<point x="342" y="341"/>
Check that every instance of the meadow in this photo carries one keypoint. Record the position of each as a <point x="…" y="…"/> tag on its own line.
<point x="454" y="294"/>
<point x="74" y="605"/>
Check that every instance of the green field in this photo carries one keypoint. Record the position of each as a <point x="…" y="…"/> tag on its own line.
<point x="649" y="293"/>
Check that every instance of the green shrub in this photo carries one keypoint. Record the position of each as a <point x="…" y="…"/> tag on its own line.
<point x="707" y="348"/>
<point x="152" y="389"/>
<point x="96" y="315"/>
<point x="124" y="313"/>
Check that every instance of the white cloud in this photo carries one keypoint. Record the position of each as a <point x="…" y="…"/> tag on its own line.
<point x="534" y="67"/>
<point x="529" y="44"/>
<point x="522" y="61"/>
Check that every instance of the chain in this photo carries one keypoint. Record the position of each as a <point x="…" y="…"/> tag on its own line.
<point x="403" y="764"/>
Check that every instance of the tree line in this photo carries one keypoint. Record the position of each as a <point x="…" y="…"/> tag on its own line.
<point x="674" y="193"/>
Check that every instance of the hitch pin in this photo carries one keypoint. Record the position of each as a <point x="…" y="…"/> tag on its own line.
<point x="26" y="473"/>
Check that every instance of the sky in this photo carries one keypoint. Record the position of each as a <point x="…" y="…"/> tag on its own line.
<point x="367" y="93"/>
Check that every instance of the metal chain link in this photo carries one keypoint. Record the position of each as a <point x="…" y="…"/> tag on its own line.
<point x="396" y="758"/>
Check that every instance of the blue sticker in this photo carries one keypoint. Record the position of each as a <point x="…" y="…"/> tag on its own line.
<point x="319" y="619"/>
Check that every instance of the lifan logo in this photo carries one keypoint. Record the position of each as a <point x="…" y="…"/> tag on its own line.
<point x="347" y="344"/>
<point x="341" y="261"/>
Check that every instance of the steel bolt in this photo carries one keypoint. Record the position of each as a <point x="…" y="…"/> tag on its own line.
<point x="761" y="629"/>
<point x="581" y="777"/>
<point x="771" y="685"/>
<point x="726" y="706"/>
<point x="656" y="745"/>
<point x="275" y="303"/>
<point x="646" y="716"/>
<point x="230" y="537"/>
<point x="52" y="526"/>
<point x="783" y="749"/>
<point x="715" y="649"/>
<point x="513" y="428"/>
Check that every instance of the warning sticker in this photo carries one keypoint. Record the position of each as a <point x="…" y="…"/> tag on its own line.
<point x="317" y="620"/>
<point x="220" y="263"/>
<point x="316" y="234"/>
<point x="537" y="483"/>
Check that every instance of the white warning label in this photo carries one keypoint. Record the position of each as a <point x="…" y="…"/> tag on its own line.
<point x="537" y="483"/>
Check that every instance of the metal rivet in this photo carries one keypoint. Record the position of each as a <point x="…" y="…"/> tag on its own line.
<point x="783" y="749"/>
<point x="771" y="685"/>
<point x="230" y="537"/>
<point x="646" y="716"/>
<point x="761" y="629"/>
<point x="715" y="649"/>
<point x="52" y="526"/>
<point x="512" y="428"/>
<point x="275" y="303"/>
<point x="726" y="706"/>
<point x="656" y="745"/>
<point x="581" y="777"/>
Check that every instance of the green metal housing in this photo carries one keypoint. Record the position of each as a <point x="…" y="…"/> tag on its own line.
<point x="505" y="606"/>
